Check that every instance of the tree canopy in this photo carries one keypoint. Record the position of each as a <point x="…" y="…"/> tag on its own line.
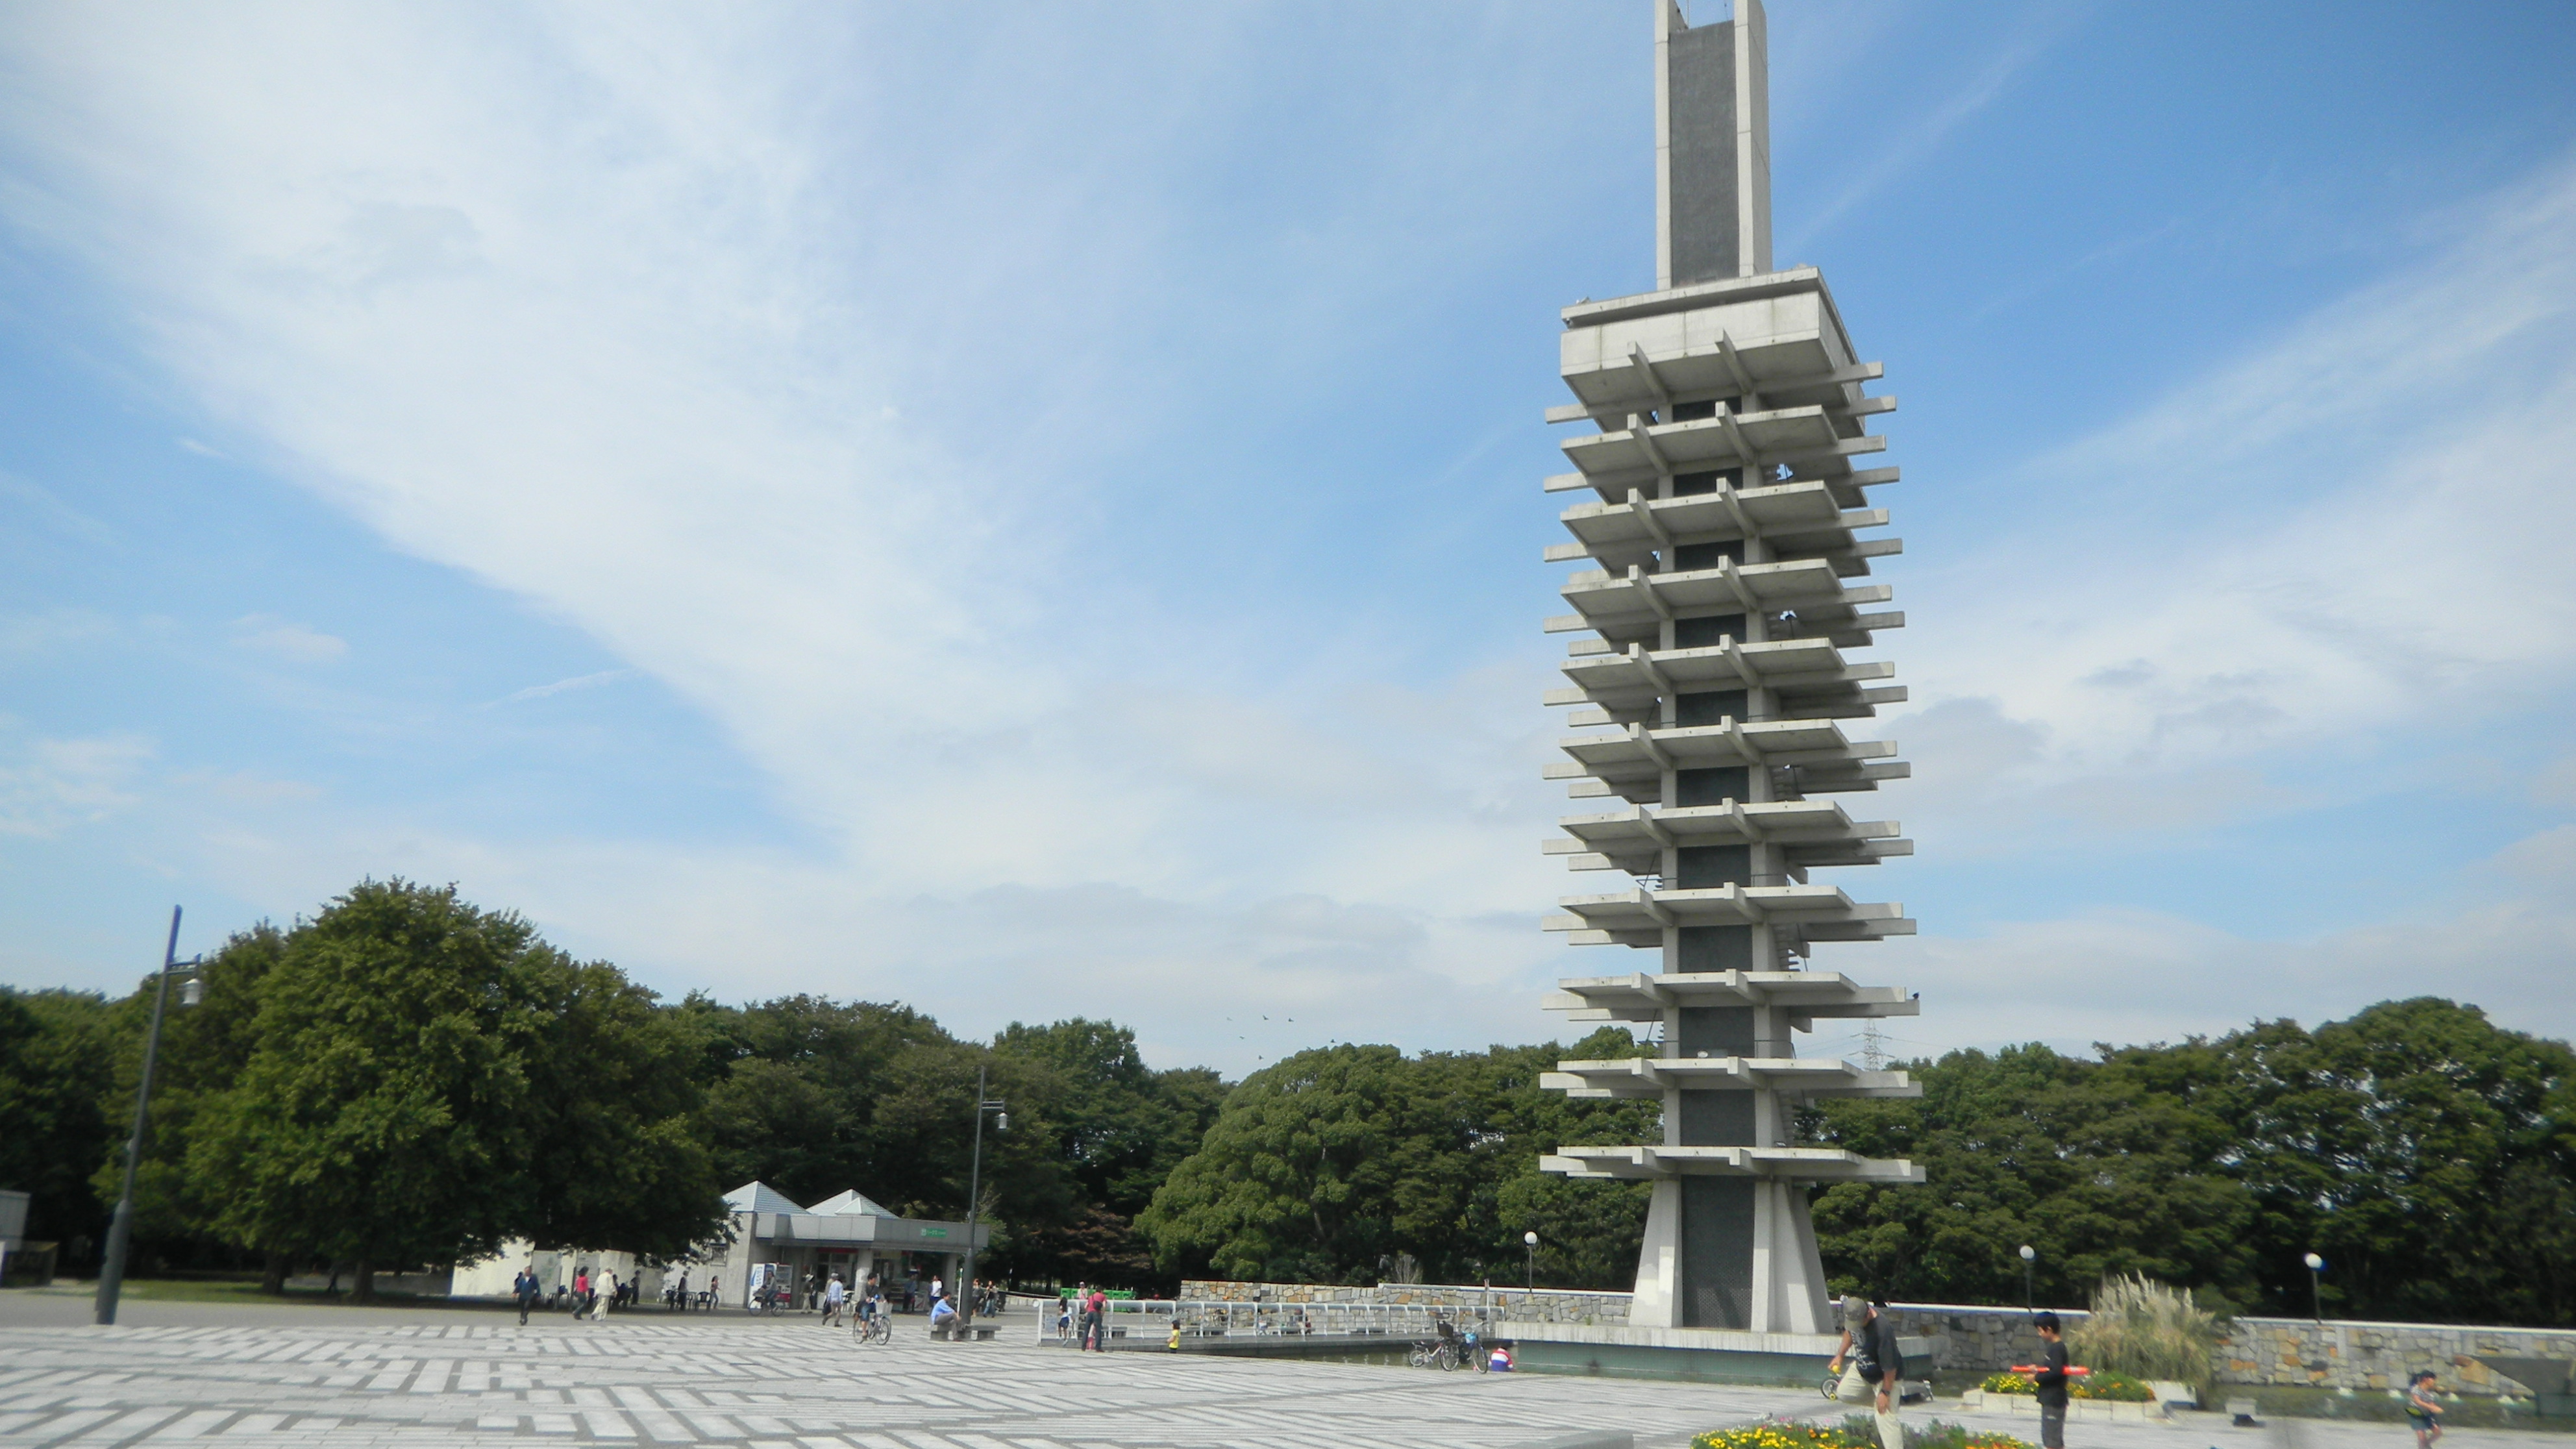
<point x="407" y="1078"/>
<point x="2428" y="1155"/>
<point x="1326" y="1165"/>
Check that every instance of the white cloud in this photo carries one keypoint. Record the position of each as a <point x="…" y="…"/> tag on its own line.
<point x="806" y="408"/>
<point x="50" y="631"/>
<point x="48" y="786"/>
<point x="2282" y="556"/>
<point x="561" y="686"/>
<point x="283" y="639"/>
<point x="2501" y="939"/>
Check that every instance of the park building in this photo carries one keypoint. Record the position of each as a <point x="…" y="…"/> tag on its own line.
<point x="774" y="1240"/>
<point x="1722" y="518"/>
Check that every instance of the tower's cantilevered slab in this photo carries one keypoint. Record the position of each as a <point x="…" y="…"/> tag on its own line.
<point x="1723" y="522"/>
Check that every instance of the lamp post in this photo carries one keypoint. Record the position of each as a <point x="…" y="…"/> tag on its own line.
<point x="120" y="1228"/>
<point x="1530" y="1242"/>
<point x="2316" y="1288"/>
<point x="975" y="1191"/>
<point x="2029" y="1299"/>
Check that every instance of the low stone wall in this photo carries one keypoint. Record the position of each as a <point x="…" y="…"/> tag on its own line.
<point x="2258" y="1351"/>
<point x="1973" y="1338"/>
<point x="2341" y="1355"/>
<point x="1545" y="1305"/>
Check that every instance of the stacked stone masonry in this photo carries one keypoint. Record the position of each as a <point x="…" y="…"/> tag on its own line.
<point x="1972" y="1339"/>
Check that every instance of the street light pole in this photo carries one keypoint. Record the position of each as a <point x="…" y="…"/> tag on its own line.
<point x="1530" y="1241"/>
<point x="2316" y="1288"/>
<point x="120" y="1227"/>
<point x="975" y="1193"/>
<point x="2029" y="1298"/>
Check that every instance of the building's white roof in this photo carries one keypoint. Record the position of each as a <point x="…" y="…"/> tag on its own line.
<point x="760" y="1197"/>
<point x="851" y="1201"/>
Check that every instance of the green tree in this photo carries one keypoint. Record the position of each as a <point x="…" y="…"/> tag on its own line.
<point x="2098" y="1171"/>
<point x="2428" y="1155"/>
<point x="204" y="1050"/>
<point x="1328" y="1164"/>
<point x="428" y="1079"/>
<point x="612" y="1160"/>
<point x="795" y="1089"/>
<point x="1119" y="1126"/>
<point x="55" y="1072"/>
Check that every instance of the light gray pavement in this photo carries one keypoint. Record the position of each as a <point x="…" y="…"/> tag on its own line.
<point x="439" y="1379"/>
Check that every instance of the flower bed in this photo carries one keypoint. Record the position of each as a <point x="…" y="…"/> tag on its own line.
<point x="2102" y="1384"/>
<point x="1856" y="1432"/>
<point x="1780" y="1436"/>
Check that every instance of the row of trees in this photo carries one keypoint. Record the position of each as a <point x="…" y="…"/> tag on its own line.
<point x="2427" y="1155"/>
<point x="407" y="1079"/>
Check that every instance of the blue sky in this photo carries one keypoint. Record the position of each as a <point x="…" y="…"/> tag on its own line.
<point x="1035" y="511"/>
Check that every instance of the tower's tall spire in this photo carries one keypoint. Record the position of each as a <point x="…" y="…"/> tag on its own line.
<point x="1721" y="592"/>
<point x="1712" y="147"/>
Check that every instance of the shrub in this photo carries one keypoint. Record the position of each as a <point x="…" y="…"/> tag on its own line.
<point x="2147" y="1330"/>
<point x="2009" y="1383"/>
<point x="2112" y="1385"/>
<point x="1939" y="1434"/>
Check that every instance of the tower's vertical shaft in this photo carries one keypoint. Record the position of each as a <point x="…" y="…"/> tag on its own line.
<point x="1726" y="584"/>
<point x="1712" y="147"/>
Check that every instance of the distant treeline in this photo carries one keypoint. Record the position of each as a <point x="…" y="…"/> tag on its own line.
<point x="407" y="1079"/>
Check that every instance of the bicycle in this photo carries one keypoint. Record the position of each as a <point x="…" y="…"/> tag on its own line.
<point x="1433" y="1353"/>
<point x="875" y="1328"/>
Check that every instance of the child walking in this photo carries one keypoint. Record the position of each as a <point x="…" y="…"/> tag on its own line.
<point x="2423" y="1410"/>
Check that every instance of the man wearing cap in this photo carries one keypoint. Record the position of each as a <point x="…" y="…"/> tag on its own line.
<point x="1869" y="1343"/>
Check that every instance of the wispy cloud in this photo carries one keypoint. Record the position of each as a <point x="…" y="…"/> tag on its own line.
<point x="50" y="785"/>
<point x="2274" y="556"/>
<point x="561" y="686"/>
<point x="284" y="639"/>
<point x="805" y="362"/>
<point x="1913" y="141"/>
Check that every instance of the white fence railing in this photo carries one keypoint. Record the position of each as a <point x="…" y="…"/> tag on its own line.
<point x="1222" y="1318"/>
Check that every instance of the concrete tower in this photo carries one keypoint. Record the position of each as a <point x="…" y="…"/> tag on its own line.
<point x="1724" y="587"/>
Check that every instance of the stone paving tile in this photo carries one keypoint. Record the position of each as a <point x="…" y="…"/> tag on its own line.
<point x="789" y="1385"/>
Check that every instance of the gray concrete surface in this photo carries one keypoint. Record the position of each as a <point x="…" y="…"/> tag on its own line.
<point x="421" y="1378"/>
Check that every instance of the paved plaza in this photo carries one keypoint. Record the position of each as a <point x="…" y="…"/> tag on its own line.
<point x="418" y="1379"/>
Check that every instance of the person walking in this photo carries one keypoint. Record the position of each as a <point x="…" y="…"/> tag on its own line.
<point x="603" y="1293"/>
<point x="1099" y="1321"/>
<point x="1854" y="1311"/>
<point x="524" y="1288"/>
<point x="833" y="1293"/>
<point x="580" y="1292"/>
<point x="1876" y="1369"/>
<point x="2050" y="1376"/>
<point x="2424" y="1408"/>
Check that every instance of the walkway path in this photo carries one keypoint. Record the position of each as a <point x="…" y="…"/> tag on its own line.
<point x="790" y="1384"/>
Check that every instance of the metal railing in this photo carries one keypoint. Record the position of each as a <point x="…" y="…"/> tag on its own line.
<point x="1226" y="1318"/>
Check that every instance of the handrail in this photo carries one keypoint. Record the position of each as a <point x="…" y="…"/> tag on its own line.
<point x="1205" y="1318"/>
